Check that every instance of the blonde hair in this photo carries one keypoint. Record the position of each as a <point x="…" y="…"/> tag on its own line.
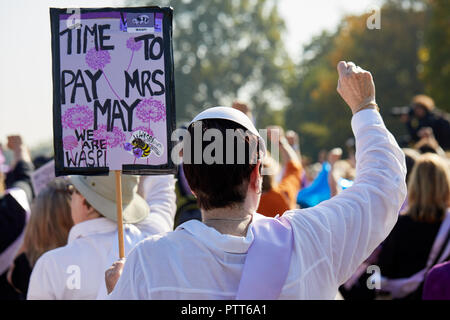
<point x="50" y="220"/>
<point x="429" y="189"/>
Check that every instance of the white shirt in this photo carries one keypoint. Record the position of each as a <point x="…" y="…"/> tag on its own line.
<point x="77" y="270"/>
<point x="331" y="239"/>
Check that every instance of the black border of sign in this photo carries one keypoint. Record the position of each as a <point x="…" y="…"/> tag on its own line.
<point x="170" y="167"/>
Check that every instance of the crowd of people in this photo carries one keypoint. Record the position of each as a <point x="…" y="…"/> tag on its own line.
<point x="272" y="228"/>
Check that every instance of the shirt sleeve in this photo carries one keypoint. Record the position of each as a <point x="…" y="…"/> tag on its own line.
<point x="347" y="228"/>
<point x="160" y="196"/>
<point x="20" y="177"/>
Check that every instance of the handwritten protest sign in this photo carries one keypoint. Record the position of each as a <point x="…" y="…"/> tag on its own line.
<point x="42" y="176"/>
<point x="113" y="106"/>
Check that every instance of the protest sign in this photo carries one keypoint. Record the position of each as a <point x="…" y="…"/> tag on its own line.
<point x="113" y="84"/>
<point x="42" y="176"/>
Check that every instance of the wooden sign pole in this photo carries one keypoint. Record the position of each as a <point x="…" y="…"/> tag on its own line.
<point x="119" y="213"/>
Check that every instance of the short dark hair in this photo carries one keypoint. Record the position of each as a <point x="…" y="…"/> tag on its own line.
<point x="220" y="185"/>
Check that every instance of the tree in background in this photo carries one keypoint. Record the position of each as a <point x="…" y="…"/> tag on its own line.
<point x="317" y="113"/>
<point x="225" y="50"/>
<point x="435" y="54"/>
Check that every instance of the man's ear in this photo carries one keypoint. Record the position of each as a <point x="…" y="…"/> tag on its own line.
<point x="86" y="204"/>
<point x="90" y="210"/>
<point x="255" y="177"/>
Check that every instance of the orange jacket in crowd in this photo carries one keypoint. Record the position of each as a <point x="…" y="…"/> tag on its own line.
<point x="282" y="197"/>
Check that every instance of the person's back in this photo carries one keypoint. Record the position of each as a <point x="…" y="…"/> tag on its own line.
<point x="407" y="248"/>
<point x="219" y="263"/>
<point x="77" y="277"/>
<point x="413" y="243"/>
<point x="207" y="260"/>
<point x="76" y="271"/>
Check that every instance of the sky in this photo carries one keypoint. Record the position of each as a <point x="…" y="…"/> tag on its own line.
<point x="25" y="64"/>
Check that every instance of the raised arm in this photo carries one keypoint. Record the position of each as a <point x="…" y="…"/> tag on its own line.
<point x="22" y="167"/>
<point x="160" y="195"/>
<point x="347" y="228"/>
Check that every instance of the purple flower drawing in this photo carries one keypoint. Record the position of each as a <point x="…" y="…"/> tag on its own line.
<point x="100" y="133"/>
<point x="151" y="110"/>
<point x="138" y="152"/>
<point x="133" y="45"/>
<point x="113" y="138"/>
<point x="97" y="59"/>
<point x="78" y="117"/>
<point x="128" y="146"/>
<point x="70" y="143"/>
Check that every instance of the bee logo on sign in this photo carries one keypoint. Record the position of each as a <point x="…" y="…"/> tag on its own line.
<point x="142" y="145"/>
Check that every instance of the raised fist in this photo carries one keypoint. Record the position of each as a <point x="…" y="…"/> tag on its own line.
<point x="355" y="86"/>
<point x="14" y="143"/>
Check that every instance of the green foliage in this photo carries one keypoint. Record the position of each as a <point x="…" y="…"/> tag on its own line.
<point x="389" y="53"/>
<point x="223" y="48"/>
<point x="435" y="54"/>
<point x="270" y="117"/>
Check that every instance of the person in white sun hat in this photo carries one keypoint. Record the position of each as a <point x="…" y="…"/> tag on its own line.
<point x="235" y="253"/>
<point x="76" y="271"/>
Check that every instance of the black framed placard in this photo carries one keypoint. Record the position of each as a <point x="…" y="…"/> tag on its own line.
<point x="113" y="90"/>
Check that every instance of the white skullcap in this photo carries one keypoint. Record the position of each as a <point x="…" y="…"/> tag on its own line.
<point x="228" y="113"/>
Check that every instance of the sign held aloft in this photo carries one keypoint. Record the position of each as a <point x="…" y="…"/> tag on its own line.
<point x="113" y="93"/>
<point x="114" y="99"/>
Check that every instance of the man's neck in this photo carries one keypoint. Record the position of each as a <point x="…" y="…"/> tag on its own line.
<point x="233" y="221"/>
